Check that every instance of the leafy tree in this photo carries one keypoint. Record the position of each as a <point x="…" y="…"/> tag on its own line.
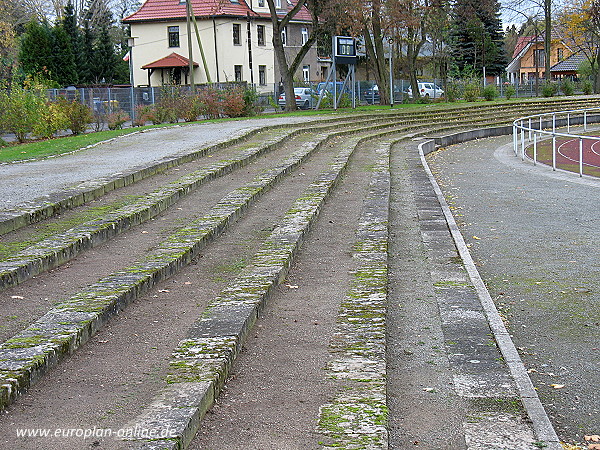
<point x="579" y="26"/>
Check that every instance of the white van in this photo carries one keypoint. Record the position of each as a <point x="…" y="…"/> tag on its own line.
<point x="428" y="90"/>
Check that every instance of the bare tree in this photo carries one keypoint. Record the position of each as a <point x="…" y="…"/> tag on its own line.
<point x="281" y="19"/>
<point x="533" y="10"/>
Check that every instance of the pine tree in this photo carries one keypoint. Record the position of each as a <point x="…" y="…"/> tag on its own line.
<point x="69" y="24"/>
<point x="86" y="71"/>
<point x="35" y="49"/>
<point x="476" y="38"/>
<point x="63" y="66"/>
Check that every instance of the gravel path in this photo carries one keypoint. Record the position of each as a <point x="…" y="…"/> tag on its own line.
<point x="533" y="235"/>
<point x="31" y="181"/>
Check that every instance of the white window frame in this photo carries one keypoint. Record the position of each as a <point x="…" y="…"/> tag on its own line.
<point x="239" y="33"/>
<point x="284" y="36"/>
<point x="240" y="71"/>
<point x="306" y="73"/>
<point x="304" y="32"/>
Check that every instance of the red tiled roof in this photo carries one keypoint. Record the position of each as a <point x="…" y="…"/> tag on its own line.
<point x="157" y="10"/>
<point x="521" y="43"/>
<point x="174" y="9"/>
<point x="173" y="60"/>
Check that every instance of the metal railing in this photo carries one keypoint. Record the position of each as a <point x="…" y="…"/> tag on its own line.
<point x="544" y="126"/>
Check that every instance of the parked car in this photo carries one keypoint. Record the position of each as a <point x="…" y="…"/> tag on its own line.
<point x="305" y="98"/>
<point x="427" y="90"/>
<point x="371" y="95"/>
<point x="328" y="86"/>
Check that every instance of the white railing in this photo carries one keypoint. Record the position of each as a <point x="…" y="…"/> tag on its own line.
<point x="544" y="126"/>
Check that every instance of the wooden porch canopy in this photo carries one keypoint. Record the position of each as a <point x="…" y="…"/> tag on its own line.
<point x="170" y="62"/>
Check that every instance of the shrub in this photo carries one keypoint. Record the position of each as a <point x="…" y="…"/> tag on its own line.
<point x="587" y="87"/>
<point x="490" y="92"/>
<point x="250" y="98"/>
<point x="509" y="91"/>
<point x="20" y="111"/>
<point x="52" y="119"/>
<point x="567" y="87"/>
<point x="189" y="108"/>
<point x="452" y="93"/>
<point x="549" y="89"/>
<point x="210" y="103"/>
<point x="144" y="114"/>
<point x="117" y="119"/>
<point x="233" y="103"/>
<point x="345" y="101"/>
<point x="472" y="91"/>
<point x="166" y="109"/>
<point x="78" y="115"/>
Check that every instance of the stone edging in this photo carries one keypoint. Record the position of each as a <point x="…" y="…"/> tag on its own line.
<point x="543" y="429"/>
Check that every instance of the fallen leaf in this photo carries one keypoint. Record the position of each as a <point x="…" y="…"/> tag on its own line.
<point x="163" y="290"/>
<point x="17" y="297"/>
<point x="291" y="286"/>
<point x="475" y="237"/>
<point x="592" y="438"/>
<point x="144" y="232"/>
<point x="557" y="386"/>
<point x="593" y="446"/>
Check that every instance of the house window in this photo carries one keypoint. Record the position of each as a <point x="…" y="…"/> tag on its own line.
<point x="284" y="36"/>
<point x="173" y="36"/>
<point x="324" y="71"/>
<point x="278" y="4"/>
<point x="539" y="56"/>
<point x="237" y="70"/>
<point x="237" y="32"/>
<point x="306" y="73"/>
<point x="262" y="75"/>
<point x="260" y="34"/>
<point x="304" y="35"/>
<point x="560" y="54"/>
<point x="261" y="3"/>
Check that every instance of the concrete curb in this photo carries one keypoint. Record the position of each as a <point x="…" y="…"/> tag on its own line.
<point x="543" y="429"/>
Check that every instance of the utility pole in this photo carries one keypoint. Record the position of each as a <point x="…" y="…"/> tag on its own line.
<point x="188" y="8"/>
<point x="250" y="50"/>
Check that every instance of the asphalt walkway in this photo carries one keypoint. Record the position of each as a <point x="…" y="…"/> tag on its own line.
<point x="533" y="234"/>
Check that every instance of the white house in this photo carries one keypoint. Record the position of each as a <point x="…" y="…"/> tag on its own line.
<point x="236" y="40"/>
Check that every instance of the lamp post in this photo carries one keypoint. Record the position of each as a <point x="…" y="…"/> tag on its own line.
<point x="130" y="44"/>
<point x="390" y="43"/>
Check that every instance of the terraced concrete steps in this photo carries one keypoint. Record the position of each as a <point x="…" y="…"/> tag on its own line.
<point x="29" y="354"/>
<point x="201" y="363"/>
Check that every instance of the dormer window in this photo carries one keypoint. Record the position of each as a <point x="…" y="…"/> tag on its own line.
<point x="278" y="4"/>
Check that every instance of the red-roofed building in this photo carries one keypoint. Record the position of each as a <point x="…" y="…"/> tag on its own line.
<point x="529" y="58"/>
<point x="236" y="39"/>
